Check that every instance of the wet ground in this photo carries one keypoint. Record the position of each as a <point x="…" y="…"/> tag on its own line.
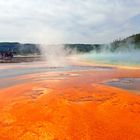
<point x="76" y="102"/>
<point x="30" y="68"/>
<point x="9" y="75"/>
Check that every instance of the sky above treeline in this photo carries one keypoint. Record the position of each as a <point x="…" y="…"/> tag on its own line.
<point x="68" y="21"/>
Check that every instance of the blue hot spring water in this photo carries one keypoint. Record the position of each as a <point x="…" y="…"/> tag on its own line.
<point x="125" y="58"/>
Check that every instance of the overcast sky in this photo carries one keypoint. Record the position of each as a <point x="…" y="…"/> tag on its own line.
<point x="68" y="21"/>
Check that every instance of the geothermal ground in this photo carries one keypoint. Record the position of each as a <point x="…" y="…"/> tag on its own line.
<point x="77" y="102"/>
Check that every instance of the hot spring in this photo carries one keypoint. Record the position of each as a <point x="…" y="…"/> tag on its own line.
<point x="123" y="58"/>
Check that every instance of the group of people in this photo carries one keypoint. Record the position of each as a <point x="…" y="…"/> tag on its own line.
<point x="6" y="55"/>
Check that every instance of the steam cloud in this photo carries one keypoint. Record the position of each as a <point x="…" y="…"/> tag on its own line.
<point x="56" y="55"/>
<point x="125" y="54"/>
<point x="128" y="56"/>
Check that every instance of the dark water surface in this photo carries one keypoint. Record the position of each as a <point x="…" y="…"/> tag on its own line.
<point x="126" y="83"/>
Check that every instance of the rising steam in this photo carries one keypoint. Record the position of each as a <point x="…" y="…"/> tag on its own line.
<point x="127" y="53"/>
<point x="127" y="56"/>
<point x="56" y="55"/>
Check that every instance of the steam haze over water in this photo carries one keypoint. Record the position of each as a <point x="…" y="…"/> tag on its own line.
<point x="125" y="59"/>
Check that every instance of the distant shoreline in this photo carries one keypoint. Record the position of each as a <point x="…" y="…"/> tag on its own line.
<point x="19" y="59"/>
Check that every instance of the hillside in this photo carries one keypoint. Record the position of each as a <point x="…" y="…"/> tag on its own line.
<point x="129" y="42"/>
<point x="133" y="39"/>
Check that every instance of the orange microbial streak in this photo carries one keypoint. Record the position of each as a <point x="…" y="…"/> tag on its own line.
<point x="70" y="106"/>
